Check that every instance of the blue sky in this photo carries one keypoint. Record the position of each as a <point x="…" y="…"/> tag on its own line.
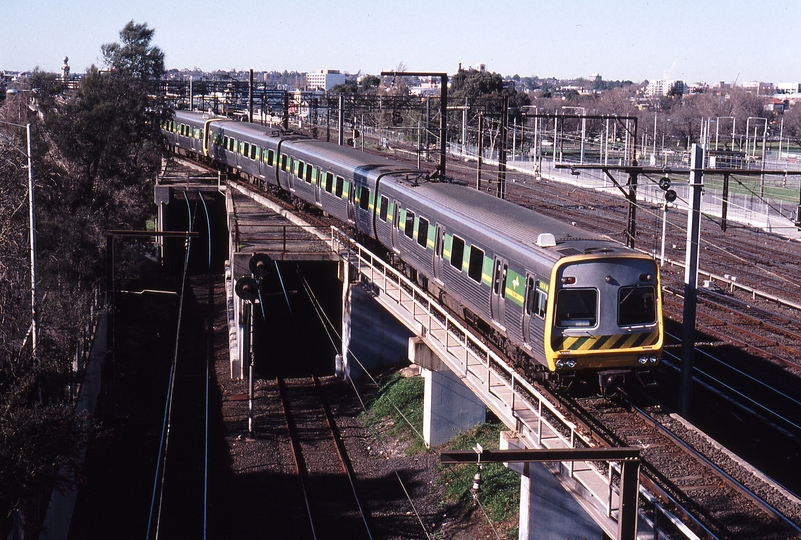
<point x="700" y="40"/>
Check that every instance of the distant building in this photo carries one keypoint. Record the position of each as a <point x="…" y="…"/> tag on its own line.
<point x="759" y="88"/>
<point x="662" y="87"/>
<point x="774" y="105"/>
<point x="429" y="86"/>
<point x="324" y="79"/>
<point x="788" y="88"/>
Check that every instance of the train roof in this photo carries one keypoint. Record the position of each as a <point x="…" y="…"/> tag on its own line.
<point x="522" y="228"/>
<point x="363" y="163"/>
<point x="482" y="214"/>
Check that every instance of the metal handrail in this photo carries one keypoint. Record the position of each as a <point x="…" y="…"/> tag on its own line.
<point x="514" y="400"/>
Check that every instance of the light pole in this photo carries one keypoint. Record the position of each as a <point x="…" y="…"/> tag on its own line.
<point x="717" y="129"/>
<point x="753" y="148"/>
<point x="32" y="224"/>
<point x="583" y="127"/>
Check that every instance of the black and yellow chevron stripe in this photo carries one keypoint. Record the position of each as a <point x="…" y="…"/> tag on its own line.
<point x="598" y="343"/>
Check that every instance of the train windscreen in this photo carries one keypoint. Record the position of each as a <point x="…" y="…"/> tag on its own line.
<point x="577" y="308"/>
<point x="637" y="305"/>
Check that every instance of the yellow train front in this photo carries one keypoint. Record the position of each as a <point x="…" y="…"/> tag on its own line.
<point x="604" y="316"/>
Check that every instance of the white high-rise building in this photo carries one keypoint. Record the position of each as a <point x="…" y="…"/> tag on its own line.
<point x="324" y="79"/>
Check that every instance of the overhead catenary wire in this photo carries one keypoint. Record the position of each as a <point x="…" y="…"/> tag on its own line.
<point x="683" y="229"/>
<point x="161" y="463"/>
<point x="209" y="360"/>
<point x="326" y="322"/>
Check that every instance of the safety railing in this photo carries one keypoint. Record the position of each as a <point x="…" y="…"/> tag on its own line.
<point x="511" y="398"/>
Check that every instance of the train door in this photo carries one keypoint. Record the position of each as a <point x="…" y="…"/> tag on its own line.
<point x="290" y="176"/>
<point x="318" y="182"/>
<point x="498" y="292"/>
<point x="395" y="224"/>
<point x="350" y="204"/>
<point x="529" y="306"/>
<point x="439" y="241"/>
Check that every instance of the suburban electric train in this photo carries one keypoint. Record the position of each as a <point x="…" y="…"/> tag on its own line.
<point x="561" y="301"/>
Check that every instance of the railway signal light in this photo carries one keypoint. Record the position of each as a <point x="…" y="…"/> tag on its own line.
<point x="670" y="194"/>
<point x="260" y="265"/>
<point x="247" y="289"/>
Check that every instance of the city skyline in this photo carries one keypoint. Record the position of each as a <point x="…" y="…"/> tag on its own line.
<point x="625" y="40"/>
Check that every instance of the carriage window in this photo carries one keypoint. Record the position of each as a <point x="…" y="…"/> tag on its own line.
<point x="308" y="175"/>
<point x="271" y="157"/>
<point x="476" y="263"/>
<point x="300" y="167"/>
<point x="254" y="152"/>
<point x="340" y="184"/>
<point x="245" y="149"/>
<point x="231" y="144"/>
<point x="225" y="142"/>
<point x="384" y="208"/>
<point x="409" y="226"/>
<point x="457" y="253"/>
<point x="329" y="181"/>
<point x="422" y="232"/>
<point x="364" y="198"/>
<point x="540" y="303"/>
<point x="536" y="299"/>
<point x="284" y="162"/>
<point x="577" y="307"/>
<point x="637" y="305"/>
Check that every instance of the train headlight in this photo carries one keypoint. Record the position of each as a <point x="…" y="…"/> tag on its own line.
<point x="569" y="364"/>
<point x="560" y="364"/>
<point x="653" y="359"/>
<point x="642" y="360"/>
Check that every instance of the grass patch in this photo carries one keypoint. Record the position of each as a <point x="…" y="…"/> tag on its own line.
<point x="398" y="404"/>
<point x="500" y="487"/>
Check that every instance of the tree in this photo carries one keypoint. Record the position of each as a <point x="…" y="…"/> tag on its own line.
<point x="370" y="83"/>
<point x="96" y="153"/>
<point x="348" y="87"/>
<point x="792" y="122"/>
<point x="108" y="136"/>
<point x="135" y="56"/>
<point x="39" y="432"/>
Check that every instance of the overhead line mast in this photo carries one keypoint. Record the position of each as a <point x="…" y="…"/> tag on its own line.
<point x="443" y="109"/>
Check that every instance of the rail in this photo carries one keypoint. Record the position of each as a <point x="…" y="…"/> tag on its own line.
<point x="516" y="402"/>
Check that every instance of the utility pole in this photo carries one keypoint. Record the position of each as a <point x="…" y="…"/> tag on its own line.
<point x="443" y="109"/>
<point x="502" y="149"/>
<point x="691" y="279"/>
<point x="481" y="150"/>
<point x="32" y="234"/>
<point x="250" y="97"/>
<point x="34" y="277"/>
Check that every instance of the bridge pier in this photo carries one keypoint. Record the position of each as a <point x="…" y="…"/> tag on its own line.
<point x="449" y="406"/>
<point x="548" y="511"/>
<point x="372" y="338"/>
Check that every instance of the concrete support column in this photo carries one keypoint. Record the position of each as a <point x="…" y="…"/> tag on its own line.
<point x="372" y="339"/>
<point x="239" y="358"/>
<point x="547" y="510"/>
<point x="343" y="359"/>
<point x="450" y="407"/>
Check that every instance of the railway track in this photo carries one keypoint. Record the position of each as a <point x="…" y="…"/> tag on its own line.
<point x="683" y="488"/>
<point x="711" y="500"/>
<point x="324" y="470"/>
<point x="768" y="334"/>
